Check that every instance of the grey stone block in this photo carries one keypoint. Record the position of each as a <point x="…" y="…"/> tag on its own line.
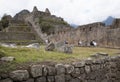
<point x="79" y="64"/>
<point x="19" y="75"/>
<point x="51" y="70"/>
<point x="36" y="70"/>
<point x="60" y="69"/>
<point x="50" y="79"/>
<point x="69" y="69"/>
<point x="41" y="79"/>
<point x="6" y="80"/>
<point x="60" y="78"/>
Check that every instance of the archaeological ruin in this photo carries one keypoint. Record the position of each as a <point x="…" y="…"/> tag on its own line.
<point x="37" y="26"/>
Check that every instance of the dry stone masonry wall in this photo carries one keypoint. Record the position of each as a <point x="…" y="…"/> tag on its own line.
<point x="101" y="70"/>
<point x="9" y="36"/>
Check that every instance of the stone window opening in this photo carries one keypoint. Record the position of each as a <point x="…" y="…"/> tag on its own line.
<point x="83" y="29"/>
<point x="90" y="28"/>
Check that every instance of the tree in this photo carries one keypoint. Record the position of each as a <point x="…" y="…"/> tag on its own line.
<point x="4" y="21"/>
<point x="46" y="27"/>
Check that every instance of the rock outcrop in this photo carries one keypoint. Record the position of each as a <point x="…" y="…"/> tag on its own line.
<point x="47" y="11"/>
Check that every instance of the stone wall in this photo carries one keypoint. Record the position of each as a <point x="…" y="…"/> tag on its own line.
<point x="11" y="36"/>
<point x="101" y="70"/>
<point x="104" y="36"/>
<point x="18" y="29"/>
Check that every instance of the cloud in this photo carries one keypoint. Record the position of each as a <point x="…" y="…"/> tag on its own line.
<point x="73" y="11"/>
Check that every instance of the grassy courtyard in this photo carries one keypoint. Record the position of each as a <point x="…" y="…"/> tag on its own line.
<point x="27" y="56"/>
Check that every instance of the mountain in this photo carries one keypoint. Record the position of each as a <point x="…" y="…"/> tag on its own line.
<point x="74" y="25"/>
<point x="109" y="20"/>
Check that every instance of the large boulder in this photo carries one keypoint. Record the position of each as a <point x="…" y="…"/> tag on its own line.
<point x="62" y="47"/>
<point x="50" y="47"/>
<point x="65" y="49"/>
<point x="59" y="44"/>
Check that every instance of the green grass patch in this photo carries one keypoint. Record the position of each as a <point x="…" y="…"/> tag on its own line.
<point x="27" y="55"/>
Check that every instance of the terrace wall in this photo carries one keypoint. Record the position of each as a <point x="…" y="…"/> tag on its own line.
<point x="101" y="70"/>
<point x="16" y="36"/>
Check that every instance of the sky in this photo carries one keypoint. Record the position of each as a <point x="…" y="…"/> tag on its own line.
<point x="77" y="12"/>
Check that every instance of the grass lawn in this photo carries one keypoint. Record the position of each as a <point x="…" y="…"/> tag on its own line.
<point x="27" y="56"/>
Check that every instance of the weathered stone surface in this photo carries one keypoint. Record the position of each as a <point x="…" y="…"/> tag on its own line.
<point x="4" y="76"/>
<point x="68" y="78"/>
<point x="45" y="71"/>
<point x="75" y="80"/>
<point x="76" y="72"/>
<point x="95" y="67"/>
<point x="79" y="64"/>
<point x="51" y="70"/>
<point x="6" y="80"/>
<point x="29" y="80"/>
<point x="60" y="78"/>
<point x="88" y="61"/>
<point x="50" y="79"/>
<point x="35" y="9"/>
<point x="19" y="75"/>
<point x="36" y="70"/>
<point x="47" y="11"/>
<point x="82" y="77"/>
<point x="7" y="59"/>
<point x="60" y="69"/>
<point x="69" y="69"/>
<point x="50" y="47"/>
<point x="59" y="44"/>
<point x="41" y="79"/>
<point x="87" y="69"/>
<point x="65" y="49"/>
<point x="82" y="70"/>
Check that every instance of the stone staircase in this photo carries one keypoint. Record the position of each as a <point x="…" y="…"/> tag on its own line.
<point x="36" y="28"/>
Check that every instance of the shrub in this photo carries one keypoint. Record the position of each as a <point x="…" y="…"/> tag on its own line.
<point x="46" y="27"/>
<point x="2" y="53"/>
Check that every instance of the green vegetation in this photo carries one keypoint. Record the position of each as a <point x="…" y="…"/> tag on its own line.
<point x="47" y="24"/>
<point x="51" y="20"/>
<point x="26" y="55"/>
<point x="47" y="27"/>
<point x="4" y="21"/>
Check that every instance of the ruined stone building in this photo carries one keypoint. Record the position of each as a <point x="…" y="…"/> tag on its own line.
<point x="105" y="36"/>
<point x="39" y="26"/>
